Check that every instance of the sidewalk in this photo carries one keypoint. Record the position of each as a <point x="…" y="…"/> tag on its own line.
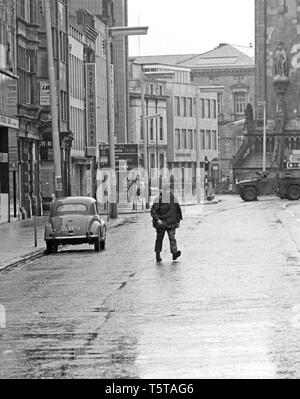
<point x="17" y="240"/>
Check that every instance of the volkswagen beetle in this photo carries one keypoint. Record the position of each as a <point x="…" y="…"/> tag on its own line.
<point x="74" y="220"/>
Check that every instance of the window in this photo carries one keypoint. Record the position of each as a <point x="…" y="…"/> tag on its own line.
<point x="177" y="105"/>
<point x="33" y="11"/>
<point x="161" y="161"/>
<point x="201" y="108"/>
<point x="214" y="109"/>
<point x="184" y="139"/>
<point x="214" y="140"/>
<point x="63" y="43"/>
<point x="22" y="12"/>
<point x="190" y="106"/>
<point x="202" y="140"/>
<point x="151" y="89"/>
<point x="161" y="128"/>
<point x="219" y="101"/>
<point x="63" y="105"/>
<point x="152" y="161"/>
<point x="151" y="130"/>
<point x="71" y="208"/>
<point x="207" y="140"/>
<point x="190" y="140"/>
<point x="177" y="139"/>
<point x="183" y="100"/>
<point x="207" y="108"/>
<point x="161" y="90"/>
<point x="239" y="102"/>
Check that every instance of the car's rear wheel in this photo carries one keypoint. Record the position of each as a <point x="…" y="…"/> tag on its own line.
<point x="249" y="194"/>
<point x="293" y="193"/>
<point x="103" y="240"/>
<point x="49" y="247"/>
<point x="98" y="243"/>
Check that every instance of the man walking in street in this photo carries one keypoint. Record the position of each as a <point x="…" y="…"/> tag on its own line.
<point x="166" y="214"/>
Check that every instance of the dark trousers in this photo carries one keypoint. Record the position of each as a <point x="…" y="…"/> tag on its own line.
<point x="160" y="233"/>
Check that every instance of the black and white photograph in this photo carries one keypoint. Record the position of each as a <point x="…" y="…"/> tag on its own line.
<point x="149" y="192"/>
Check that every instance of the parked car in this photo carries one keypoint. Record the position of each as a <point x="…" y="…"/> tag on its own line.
<point x="74" y="220"/>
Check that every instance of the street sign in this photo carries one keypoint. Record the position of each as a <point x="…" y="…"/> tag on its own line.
<point x="45" y="93"/>
<point x="293" y="160"/>
<point x="128" y="153"/>
<point x="123" y="152"/>
<point x="104" y="158"/>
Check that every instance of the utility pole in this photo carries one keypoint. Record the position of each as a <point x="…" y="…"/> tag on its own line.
<point x="111" y="130"/>
<point x="145" y="138"/>
<point x="54" y="105"/>
<point x="264" y="137"/>
<point x="198" y="174"/>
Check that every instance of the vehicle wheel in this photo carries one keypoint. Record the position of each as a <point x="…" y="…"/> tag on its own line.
<point x="293" y="193"/>
<point x="98" y="243"/>
<point x="49" y="247"/>
<point x="102" y="243"/>
<point x="249" y="194"/>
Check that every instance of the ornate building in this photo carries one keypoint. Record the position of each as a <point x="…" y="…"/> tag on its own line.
<point x="9" y="124"/>
<point x="277" y="84"/>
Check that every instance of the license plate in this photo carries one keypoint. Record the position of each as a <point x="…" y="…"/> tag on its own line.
<point x="71" y="228"/>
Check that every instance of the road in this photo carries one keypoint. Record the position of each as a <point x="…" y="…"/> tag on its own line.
<point x="228" y="308"/>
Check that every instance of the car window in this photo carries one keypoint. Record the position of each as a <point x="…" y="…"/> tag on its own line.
<point x="71" y="208"/>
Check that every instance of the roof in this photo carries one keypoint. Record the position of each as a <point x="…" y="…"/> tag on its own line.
<point x="163" y="59"/>
<point x="223" y="56"/>
<point x="75" y="200"/>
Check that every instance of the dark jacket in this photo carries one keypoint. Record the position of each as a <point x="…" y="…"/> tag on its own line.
<point x="169" y="212"/>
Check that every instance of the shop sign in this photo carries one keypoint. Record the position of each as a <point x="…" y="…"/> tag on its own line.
<point x="91" y="104"/>
<point x="9" y="122"/>
<point x="45" y="93"/>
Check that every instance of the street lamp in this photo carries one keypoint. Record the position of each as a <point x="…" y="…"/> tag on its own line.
<point x="111" y="32"/>
<point x="264" y="104"/>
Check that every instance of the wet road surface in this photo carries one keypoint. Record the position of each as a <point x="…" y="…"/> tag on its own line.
<point x="228" y="308"/>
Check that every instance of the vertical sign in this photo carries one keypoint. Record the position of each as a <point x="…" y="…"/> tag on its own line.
<point x="91" y="104"/>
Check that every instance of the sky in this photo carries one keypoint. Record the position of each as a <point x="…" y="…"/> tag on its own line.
<point x="189" y="26"/>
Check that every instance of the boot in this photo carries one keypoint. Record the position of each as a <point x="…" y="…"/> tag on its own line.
<point x="158" y="258"/>
<point x="176" y="255"/>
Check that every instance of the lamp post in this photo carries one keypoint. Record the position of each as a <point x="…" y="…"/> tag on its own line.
<point x="264" y="104"/>
<point x="111" y="32"/>
<point x="54" y="105"/>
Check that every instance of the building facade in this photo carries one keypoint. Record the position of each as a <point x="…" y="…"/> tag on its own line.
<point x="277" y="37"/>
<point x="114" y="13"/>
<point x="228" y="71"/>
<point x="60" y="38"/>
<point x="187" y="124"/>
<point x="9" y="124"/>
<point x="155" y="121"/>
